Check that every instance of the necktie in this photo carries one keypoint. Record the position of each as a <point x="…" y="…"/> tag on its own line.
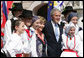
<point x="56" y="32"/>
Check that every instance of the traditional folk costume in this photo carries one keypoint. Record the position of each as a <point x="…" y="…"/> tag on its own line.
<point x="29" y="34"/>
<point x="70" y="16"/>
<point x="76" y="26"/>
<point x="17" y="47"/>
<point x="80" y="33"/>
<point x="2" y="45"/>
<point x="72" y="47"/>
<point x="8" y="30"/>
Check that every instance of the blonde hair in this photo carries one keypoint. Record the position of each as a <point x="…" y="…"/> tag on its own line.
<point x="42" y="19"/>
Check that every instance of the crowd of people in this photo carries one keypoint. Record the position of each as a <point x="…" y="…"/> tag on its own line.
<point x="26" y="35"/>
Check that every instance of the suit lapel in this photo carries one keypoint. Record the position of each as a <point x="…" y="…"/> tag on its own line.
<point x="52" y="32"/>
<point x="61" y="31"/>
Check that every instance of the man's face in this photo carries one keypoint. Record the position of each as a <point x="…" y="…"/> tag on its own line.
<point x="56" y="16"/>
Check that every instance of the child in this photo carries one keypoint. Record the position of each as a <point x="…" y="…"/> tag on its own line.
<point x="73" y="18"/>
<point x="72" y="47"/>
<point x="16" y="46"/>
<point x="38" y="42"/>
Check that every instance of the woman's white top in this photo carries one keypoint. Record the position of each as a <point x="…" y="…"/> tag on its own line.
<point x="70" y="43"/>
<point x="33" y="44"/>
<point x="7" y="30"/>
<point x="17" y="45"/>
<point x="80" y="34"/>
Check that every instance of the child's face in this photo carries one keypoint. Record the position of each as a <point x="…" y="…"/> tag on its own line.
<point x="28" y="22"/>
<point x="74" y="20"/>
<point x="20" y="28"/>
<point x="72" y="31"/>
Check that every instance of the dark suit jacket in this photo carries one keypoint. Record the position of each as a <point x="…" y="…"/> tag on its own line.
<point x="54" y="47"/>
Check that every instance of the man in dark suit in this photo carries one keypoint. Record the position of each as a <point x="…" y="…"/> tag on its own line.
<point x="53" y="31"/>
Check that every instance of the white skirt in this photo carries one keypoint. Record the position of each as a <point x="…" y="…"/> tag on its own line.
<point x="69" y="54"/>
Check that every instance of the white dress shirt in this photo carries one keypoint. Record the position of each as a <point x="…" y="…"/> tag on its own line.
<point x="53" y="24"/>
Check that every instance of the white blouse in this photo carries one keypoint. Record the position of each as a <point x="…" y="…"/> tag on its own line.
<point x="80" y="34"/>
<point x="17" y="45"/>
<point x="33" y="44"/>
<point x="7" y="30"/>
<point x="70" y="44"/>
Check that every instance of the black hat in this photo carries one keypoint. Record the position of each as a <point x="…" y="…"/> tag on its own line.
<point x="16" y="7"/>
<point x="67" y="9"/>
<point x="26" y="14"/>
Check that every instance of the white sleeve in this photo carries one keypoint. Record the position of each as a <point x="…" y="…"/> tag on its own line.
<point x="63" y="41"/>
<point x="79" y="47"/>
<point x="7" y="30"/>
<point x="80" y="34"/>
<point x="11" y="48"/>
<point x="26" y="46"/>
<point x="33" y="46"/>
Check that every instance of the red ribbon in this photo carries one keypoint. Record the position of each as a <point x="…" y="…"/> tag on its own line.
<point x="74" y="43"/>
<point x="2" y="34"/>
<point x="41" y="37"/>
<point x="28" y="33"/>
<point x="1" y="43"/>
<point x="19" y="55"/>
<point x="69" y="50"/>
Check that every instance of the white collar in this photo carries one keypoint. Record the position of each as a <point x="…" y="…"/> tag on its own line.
<point x="31" y="28"/>
<point x="58" y="22"/>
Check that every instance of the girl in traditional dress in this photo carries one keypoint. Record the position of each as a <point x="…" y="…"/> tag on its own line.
<point x="16" y="46"/>
<point x="72" y="47"/>
<point x="73" y="18"/>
